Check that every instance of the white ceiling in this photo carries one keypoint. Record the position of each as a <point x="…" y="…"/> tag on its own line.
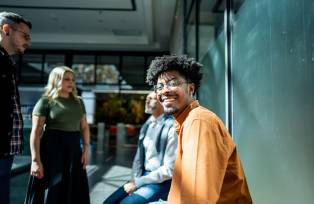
<point x="131" y="25"/>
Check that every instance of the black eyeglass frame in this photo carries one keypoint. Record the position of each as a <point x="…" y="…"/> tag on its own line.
<point x="171" y="84"/>
<point x="27" y="36"/>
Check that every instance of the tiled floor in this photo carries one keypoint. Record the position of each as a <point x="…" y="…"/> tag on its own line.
<point x="109" y="168"/>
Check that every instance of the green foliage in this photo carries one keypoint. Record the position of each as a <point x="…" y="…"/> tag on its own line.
<point x="115" y="108"/>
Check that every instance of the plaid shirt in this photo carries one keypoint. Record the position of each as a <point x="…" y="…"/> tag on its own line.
<point x="16" y="144"/>
<point x="15" y="134"/>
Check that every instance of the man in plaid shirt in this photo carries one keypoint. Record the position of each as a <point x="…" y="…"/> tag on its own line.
<point x="14" y="39"/>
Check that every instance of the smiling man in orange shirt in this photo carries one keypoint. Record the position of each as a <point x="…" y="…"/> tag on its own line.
<point x="208" y="168"/>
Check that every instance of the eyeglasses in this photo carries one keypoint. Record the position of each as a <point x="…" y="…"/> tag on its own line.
<point x="26" y="35"/>
<point x="171" y="84"/>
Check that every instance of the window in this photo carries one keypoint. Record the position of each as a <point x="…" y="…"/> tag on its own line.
<point x="52" y="61"/>
<point x="31" y="68"/>
<point x="107" y="69"/>
<point x="84" y="68"/>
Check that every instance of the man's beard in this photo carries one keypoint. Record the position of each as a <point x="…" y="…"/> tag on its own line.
<point x="19" y="51"/>
<point x="170" y="110"/>
<point x="149" y="109"/>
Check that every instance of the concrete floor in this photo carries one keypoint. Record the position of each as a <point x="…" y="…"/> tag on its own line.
<point x="110" y="167"/>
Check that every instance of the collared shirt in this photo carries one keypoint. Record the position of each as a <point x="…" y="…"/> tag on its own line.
<point x="152" y="161"/>
<point x="207" y="169"/>
<point x="159" y="171"/>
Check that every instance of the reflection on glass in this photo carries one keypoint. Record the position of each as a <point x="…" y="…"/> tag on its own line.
<point x="84" y="68"/>
<point x="51" y="62"/>
<point x="107" y="70"/>
<point x="132" y="70"/>
<point x="31" y="68"/>
<point x="125" y="72"/>
<point x="191" y="33"/>
<point x="210" y="24"/>
<point x="107" y="73"/>
<point x="212" y="55"/>
<point x="84" y="73"/>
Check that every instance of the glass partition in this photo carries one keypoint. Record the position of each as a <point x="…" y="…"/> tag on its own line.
<point x="52" y="61"/>
<point x="107" y="69"/>
<point x="132" y="72"/>
<point x="93" y="70"/>
<point x="211" y="53"/>
<point x="191" y="26"/>
<point x="84" y="68"/>
<point x="31" y="68"/>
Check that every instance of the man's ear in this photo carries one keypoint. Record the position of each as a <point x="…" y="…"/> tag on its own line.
<point x="191" y="88"/>
<point x="6" y="29"/>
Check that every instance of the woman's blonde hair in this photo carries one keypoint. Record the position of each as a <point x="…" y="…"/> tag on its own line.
<point x="54" y="84"/>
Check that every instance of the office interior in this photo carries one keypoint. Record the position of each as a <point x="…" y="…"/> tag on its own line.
<point x="258" y="65"/>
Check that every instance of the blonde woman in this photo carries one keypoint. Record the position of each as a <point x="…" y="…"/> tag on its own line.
<point x="58" y="172"/>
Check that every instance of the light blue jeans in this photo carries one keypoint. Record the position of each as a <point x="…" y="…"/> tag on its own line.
<point x="158" y="202"/>
<point x="145" y="194"/>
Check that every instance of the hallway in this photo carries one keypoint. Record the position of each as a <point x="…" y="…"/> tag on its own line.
<point x="258" y="77"/>
<point x="108" y="170"/>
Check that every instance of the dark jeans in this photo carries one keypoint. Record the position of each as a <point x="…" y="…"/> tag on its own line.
<point x="144" y="194"/>
<point x="5" y="174"/>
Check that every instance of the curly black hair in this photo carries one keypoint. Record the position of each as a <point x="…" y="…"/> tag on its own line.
<point x="189" y="68"/>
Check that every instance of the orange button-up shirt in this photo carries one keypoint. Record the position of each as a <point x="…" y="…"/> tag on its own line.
<point x="207" y="169"/>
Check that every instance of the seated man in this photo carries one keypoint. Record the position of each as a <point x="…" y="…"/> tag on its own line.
<point x="154" y="160"/>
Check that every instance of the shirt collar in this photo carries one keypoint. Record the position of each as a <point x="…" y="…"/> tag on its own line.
<point x="158" y="119"/>
<point x="184" y="114"/>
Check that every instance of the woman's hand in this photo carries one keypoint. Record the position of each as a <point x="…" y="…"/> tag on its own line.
<point x="85" y="133"/>
<point x="37" y="169"/>
<point x="85" y="156"/>
<point x="38" y="123"/>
